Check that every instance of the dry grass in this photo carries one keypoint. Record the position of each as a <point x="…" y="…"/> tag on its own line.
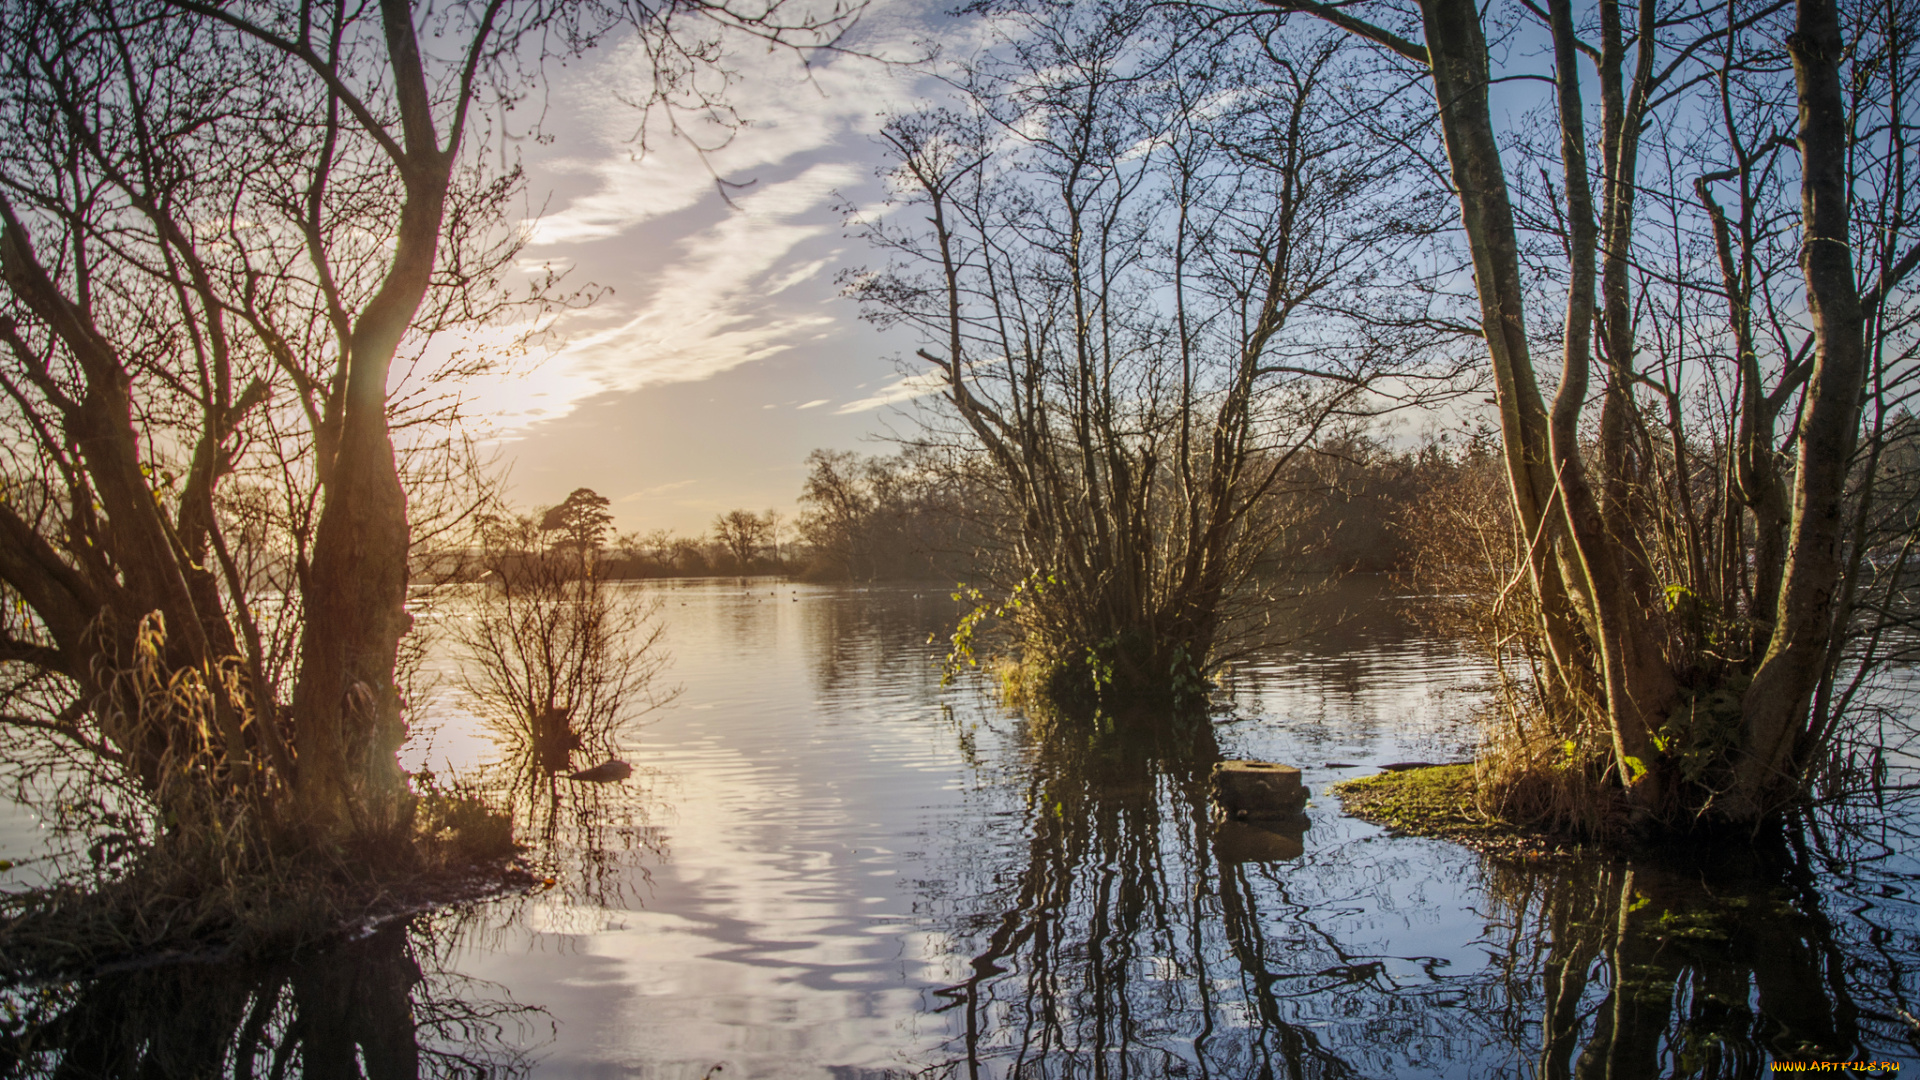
<point x="1545" y="773"/>
<point x="209" y="859"/>
<point x="1541" y="764"/>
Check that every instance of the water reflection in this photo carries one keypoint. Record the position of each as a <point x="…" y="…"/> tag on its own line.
<point x="591" y="843"/>
<point x="1711" y="970"/>
<point x="1138" y="935"/>
<point x="383" y="1007"/>
<point x="588" y="834"/>
<point x="874" y="876"/>
<point x="1129" y="942"/>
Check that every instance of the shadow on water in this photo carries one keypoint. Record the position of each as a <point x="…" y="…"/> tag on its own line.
<point x="382" y="1007"/>
<point x="1138" y="935"/>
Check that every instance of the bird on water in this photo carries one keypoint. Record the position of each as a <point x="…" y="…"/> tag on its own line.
<point x="606" y="772"/>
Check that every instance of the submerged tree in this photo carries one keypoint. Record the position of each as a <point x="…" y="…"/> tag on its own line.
<point x="555" y="658"/>
<point x="1710" y="517"/>
<point x="223" y="227"/>
<point x="1153" y="268"/>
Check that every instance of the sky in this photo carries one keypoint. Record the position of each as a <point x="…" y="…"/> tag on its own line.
<point x="721" y="352"/>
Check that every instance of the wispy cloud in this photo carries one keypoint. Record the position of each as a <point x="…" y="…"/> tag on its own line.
<point x="695" y="297"/>
<point x="703" y="284"/>
<point x="908" y="387"/>
<point x="712" y="312"/>
<point x="903" y="389"/>
<point x="657" y="489"/>
<point x="789" y="112"/>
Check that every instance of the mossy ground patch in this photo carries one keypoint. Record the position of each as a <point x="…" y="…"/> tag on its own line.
<point x="1438" y="801"/>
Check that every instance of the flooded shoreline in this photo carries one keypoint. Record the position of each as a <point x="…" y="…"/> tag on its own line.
<point x="829" y="865"/>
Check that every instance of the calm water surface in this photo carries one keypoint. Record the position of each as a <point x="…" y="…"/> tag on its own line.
<point x="831" y="866"/>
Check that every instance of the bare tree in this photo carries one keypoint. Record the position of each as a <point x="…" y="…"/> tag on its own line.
<point x="743" y="533"/>
<point x="1157" y="267"/>
<point x="837" y="508"/>
<point x="1686" y="558"/>
<point x="222" y="228"/>
<point x="555" y="658"/>
<point x="899" y="516"/>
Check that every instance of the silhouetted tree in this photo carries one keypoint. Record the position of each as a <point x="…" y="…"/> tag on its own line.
<point x="583" y="516"/>
<point x="742" y="533"/>
<point x="552" y="656"/>
<point x="222" y="228"/>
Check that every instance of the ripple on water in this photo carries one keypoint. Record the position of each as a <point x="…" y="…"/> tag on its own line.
<point x="829" y="865"/>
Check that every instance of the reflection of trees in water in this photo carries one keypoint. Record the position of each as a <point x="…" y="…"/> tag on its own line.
<point x="379" y="1007"/>
<point x="1132" y="936"/>
<point x="592" y="840"/>
<point x="1117" y="948"/>
<point x="1710" y="971"/>
<point x="855" y="649"/>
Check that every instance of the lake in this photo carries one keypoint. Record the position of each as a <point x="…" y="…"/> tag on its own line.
<point x="829" y="865"/>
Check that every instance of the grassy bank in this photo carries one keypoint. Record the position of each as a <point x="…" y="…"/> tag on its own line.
<point x="1439" y="801"/>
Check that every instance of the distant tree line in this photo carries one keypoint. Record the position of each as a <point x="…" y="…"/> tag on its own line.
<point x="917" y="515"/>
<point x="740" y="542"/>
<point x="1362" y="504"/>
<point x="878" y="517"/>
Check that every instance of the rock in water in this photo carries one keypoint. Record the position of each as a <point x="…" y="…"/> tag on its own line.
<point x="606" y="772"/>
<point x="1258" y="789"/>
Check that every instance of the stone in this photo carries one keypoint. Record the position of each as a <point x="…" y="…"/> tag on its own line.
<point x="1258" y="789"/>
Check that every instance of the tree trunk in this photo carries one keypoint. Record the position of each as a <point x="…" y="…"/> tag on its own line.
<point x="1638" y="683"/>
<point x="1775" y="707"/>
<point x="1457" y="53"/>
<point x="346" y="706"/>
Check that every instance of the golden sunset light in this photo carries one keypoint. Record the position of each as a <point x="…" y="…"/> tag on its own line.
<point x="867" y="540"/>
